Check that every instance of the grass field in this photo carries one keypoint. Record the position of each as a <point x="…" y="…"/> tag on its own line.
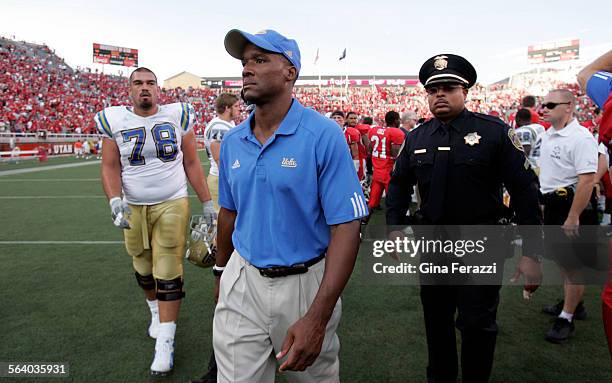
<point x="79" y="303"/>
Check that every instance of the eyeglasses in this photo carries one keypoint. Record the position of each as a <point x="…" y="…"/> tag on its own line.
<point x="432" y="90"/>
<point x="553" y="105"/>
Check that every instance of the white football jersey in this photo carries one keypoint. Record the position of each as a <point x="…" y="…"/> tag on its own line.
<point x="215" y="131"/>
<point x="151" y="158"/>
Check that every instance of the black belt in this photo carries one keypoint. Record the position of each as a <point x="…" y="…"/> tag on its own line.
<point x="566" y="192"/>
<point x="283" y="271"/>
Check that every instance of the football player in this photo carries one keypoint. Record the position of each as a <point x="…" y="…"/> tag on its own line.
<point x="148" y="154"/>
<point x="228" y="109"/>
<point x="352" y="121"/>
<point x="351" y="135"/>
<point x="385" y="143"/>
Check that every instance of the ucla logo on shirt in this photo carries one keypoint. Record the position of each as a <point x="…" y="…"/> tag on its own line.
<point x="236" y="164"/>
<point x="289" y="163"/>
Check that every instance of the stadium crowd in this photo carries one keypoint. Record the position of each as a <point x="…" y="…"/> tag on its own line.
<point x="72" y="96"/>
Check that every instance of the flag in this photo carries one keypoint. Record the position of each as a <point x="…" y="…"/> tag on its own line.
<point x="316" y="57"/>
<point x="343" y="55"/>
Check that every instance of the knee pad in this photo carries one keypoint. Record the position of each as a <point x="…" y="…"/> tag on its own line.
<point x="146" y="282"/>
<point x="170" y="290"/>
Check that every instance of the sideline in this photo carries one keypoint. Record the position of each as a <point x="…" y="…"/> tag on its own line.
<point x="48" y="167"/>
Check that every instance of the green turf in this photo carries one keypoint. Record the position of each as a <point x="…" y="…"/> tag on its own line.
<point x="80" y="304"/>
<point x="33" y="163"/>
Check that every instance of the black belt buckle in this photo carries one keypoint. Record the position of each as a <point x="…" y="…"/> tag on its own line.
<point x="283" y="271"/>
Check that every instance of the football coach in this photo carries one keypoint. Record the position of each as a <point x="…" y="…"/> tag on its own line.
<point x="288" y="230"/>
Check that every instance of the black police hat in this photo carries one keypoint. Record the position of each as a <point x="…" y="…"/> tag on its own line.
<point x="447" y="68"/>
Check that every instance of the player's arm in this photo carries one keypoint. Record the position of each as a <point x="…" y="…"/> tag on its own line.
<point x="397" y="139"/>
<point x="215" y="149"/>
<point x="395" y="148"/>
<point x="193" y="168"/>
<point x="365" y="140"/>
<point x="603" y="63"/>
<point x="354" y="151"/>
<point x="110" y="170"/>
<point x="110" y="173"/>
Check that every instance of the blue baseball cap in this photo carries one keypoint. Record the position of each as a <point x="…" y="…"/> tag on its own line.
<point x="269" y="40"/>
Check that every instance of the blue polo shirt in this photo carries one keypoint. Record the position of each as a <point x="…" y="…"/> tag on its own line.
<point x="288" y="191"/>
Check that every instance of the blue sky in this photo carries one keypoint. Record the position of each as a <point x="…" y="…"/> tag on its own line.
<point x="382" y="37"/>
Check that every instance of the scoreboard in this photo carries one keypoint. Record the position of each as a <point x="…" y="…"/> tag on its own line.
<point x="108" y="54"/>
<point x="554" y="51"/>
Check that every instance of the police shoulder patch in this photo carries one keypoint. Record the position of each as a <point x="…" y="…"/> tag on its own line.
<point x="515" y="140"/>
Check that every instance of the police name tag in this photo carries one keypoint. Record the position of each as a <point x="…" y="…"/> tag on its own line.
<point x="420" y="151"/>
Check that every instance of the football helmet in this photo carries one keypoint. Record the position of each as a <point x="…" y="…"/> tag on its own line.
<point x="202" y="242"/>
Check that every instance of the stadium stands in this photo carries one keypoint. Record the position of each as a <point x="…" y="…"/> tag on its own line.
<point x="38" y="91"/>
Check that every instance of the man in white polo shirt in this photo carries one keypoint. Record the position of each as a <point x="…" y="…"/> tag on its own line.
<point x="568" y="162"/>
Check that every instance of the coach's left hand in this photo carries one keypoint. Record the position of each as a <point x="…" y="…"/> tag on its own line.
<point x="302" y="343"/>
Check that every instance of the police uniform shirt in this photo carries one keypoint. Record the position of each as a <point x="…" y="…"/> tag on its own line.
<point x="484" y="153"/>
<point x="564" y="154"/>
<point x="150" y="148"/>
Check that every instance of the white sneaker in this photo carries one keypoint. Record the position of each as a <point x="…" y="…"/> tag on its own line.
<point x="164" y="357"/>
<point x="154" y="326"/>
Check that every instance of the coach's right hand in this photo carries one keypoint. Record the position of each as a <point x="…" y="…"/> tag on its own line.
<point x="120" y="210"/>
<point x="302" y="343"/>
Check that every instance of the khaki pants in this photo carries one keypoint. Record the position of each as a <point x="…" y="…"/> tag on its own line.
<point x="252" y="318"/>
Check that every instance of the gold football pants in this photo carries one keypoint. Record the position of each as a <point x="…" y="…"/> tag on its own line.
<point x="156" y="240"/>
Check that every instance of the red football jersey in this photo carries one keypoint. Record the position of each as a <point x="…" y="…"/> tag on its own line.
<point x="351" y="135"/>
<point x="362" y="129"/>
<point x="605" y="125"/>
<point x="381" y="142"/>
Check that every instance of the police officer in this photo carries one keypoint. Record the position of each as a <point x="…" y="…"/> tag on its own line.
<point x="459" y="160"/>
